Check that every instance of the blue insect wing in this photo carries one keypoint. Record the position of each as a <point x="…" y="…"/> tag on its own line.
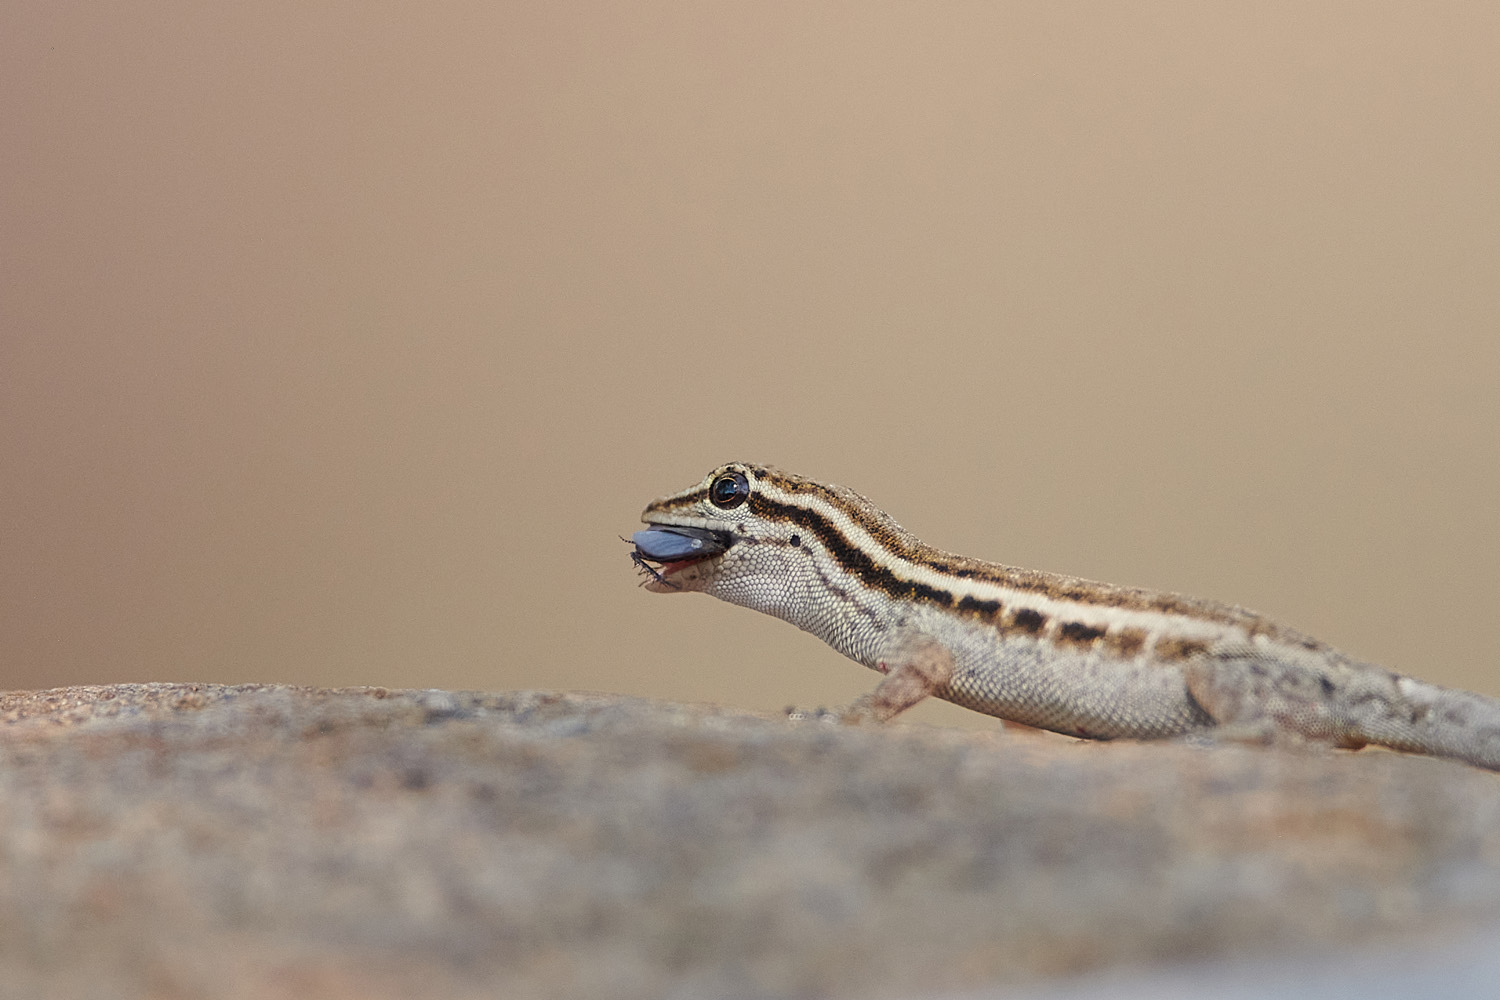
<point x="674" y="544"/>
<point x="667" y="546"/>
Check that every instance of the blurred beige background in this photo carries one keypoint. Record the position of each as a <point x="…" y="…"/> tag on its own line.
<point x="340" y="341"/>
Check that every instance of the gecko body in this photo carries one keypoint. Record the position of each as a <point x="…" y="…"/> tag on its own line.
<point x="1056" y="652"/>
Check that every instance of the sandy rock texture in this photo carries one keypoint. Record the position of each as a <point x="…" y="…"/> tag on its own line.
<point x="181" y="840"/>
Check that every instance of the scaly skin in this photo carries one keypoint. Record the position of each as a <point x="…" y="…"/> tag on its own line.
<point x="1074" y="656"/>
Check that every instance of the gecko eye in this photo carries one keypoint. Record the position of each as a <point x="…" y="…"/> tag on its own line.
<point x="728" y="492"/>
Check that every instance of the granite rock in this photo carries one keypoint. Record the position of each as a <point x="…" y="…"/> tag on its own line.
<point x="186" y="840"/>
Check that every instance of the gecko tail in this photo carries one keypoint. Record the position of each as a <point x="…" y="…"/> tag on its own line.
<point x="1440" y="722"/>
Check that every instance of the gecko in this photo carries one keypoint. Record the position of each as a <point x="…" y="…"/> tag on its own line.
<point x="1074" y="656"/>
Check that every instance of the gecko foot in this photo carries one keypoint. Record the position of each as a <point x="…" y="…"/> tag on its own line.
<point x="827" y="716"/>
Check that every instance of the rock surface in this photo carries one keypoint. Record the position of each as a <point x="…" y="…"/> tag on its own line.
<point x="184" y="840"/>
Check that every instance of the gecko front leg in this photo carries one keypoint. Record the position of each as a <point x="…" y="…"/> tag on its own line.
<point x="915" y="666"/>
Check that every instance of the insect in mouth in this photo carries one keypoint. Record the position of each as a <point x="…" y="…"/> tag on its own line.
<point x="646" y="568"/>
<point x="672" y="546"/>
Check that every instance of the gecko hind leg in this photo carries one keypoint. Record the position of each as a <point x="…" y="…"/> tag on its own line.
<point x="1256" y="699"/>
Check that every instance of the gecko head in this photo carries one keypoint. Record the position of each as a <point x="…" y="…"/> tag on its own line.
<point x="696" y="537"/>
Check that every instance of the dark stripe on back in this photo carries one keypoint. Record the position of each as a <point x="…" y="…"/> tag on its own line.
<point x="1078" y="634"/>
<point x="897" y="541"/>
<point x="1126" y="642"/>
<point x="1179" y="649"/>
<point x="850" y="556"/>
<point x="984" y="609"/>
<point x="1027" y="620"/>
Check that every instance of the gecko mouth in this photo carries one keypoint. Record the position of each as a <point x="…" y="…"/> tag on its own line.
<point x="672" y="547"/>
